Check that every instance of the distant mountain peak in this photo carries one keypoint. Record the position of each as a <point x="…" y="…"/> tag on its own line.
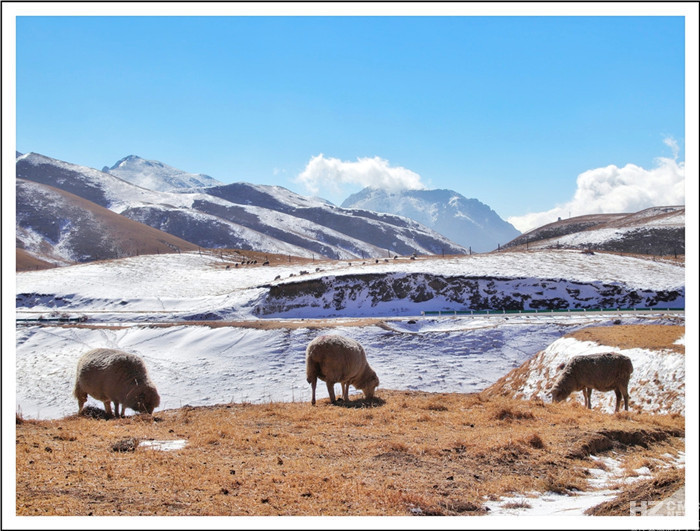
<point x="128" y="160"/>
<point x="468" y="222"/>
<point x="155" y="175"/>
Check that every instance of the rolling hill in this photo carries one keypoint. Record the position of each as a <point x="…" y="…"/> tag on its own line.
<point x="55" y="227"/>
<point x="653" y="231"/>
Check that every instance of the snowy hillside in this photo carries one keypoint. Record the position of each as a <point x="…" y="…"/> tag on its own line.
<point x="62" y="228"/>
<point x="268" y="219"/>
<point x="465" y="221"/>
<point x="188" y="285"/>
<point x="654" y="231"/>
<point x="657" y="383"/>
<point x="155" y="175"/>
<point x="201" y="365"/>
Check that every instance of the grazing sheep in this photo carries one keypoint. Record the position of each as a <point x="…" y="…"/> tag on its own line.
<point x="334" y="358"/>
<point x="604" y="372"/>
<point x="111" y="375"/>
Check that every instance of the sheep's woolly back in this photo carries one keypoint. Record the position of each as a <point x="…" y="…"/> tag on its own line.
<point x="121" y="366"/>
<point x="603" y="372"/>
<point x="338" y="359"/>
<point x="110" y="374"/>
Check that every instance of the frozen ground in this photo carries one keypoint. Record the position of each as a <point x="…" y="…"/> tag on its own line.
<point x="201" y="365"/>
<point x="167" y="287"/>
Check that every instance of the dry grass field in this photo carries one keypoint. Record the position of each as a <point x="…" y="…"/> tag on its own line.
<point x="402" y="453"/>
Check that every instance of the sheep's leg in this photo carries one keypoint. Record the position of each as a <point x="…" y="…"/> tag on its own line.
<point x="108" y="407"/>
<point x="626" y="395"/>
<point x="589" y="392"/>
<point x="618" y="399"/>
<point x="331" y="391"/>
<point x="313" y="391"/>
<point x="82" y="398"/>
<point x="346" y="389"/>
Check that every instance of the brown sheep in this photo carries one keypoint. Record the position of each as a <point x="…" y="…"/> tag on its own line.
<point x="334" y="358"/>
<point x="603" y="372"/>
<point x="111" y="375"/>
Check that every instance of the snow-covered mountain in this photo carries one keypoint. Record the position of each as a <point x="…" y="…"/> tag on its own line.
<point x="244" y="216"/>
<point x="655" y="231"/>
<point x="155" y="175"/>
<point x="61" y="228"/>
<point x="468" y="222"/>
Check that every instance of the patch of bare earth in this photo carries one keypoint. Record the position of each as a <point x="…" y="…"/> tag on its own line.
<point x="403" y="453"/>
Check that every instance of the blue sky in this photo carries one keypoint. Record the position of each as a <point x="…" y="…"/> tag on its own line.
<point x="510" y="110"/>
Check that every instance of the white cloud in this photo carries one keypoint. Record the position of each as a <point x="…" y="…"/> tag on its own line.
<point x="618" y="190"/>
<point x="671" y="142"/>
<point x="331" y="176"/>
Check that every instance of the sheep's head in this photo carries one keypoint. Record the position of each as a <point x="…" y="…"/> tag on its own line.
<point x="558" y="394"/>
<point x="144" y="399"/>
<point x="371" y="383"/>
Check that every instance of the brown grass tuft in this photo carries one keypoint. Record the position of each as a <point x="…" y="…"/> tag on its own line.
<point x="535" y="441"/>
<point x="508" y="413"/>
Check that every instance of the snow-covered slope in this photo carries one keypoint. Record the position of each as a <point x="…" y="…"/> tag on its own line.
<point x="657" y="383"/>
<point x="388" y="233"/>
<point x="654" y="231"/>
<point x="465" y="221"/>
<point x="189" y="285"/>
<point x="62" y="228"/>
<point x="155" y="175"/>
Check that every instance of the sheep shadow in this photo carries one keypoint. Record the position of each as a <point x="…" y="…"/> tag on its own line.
<point x="94" y="413"/>
<point x="360" y="403"/>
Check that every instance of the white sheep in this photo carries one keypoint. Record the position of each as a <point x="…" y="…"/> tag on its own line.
<point x="111" y="375"/>
<point x="334" y="358"/>
<point x="609" y="371"/>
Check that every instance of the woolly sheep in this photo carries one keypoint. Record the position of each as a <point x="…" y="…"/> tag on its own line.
<point x="334" y="358"/>
<point x="111" y="375"/>
<point x="604" y="372"/>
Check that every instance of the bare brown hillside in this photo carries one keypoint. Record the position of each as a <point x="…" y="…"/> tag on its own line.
<point x="26" y="261"/>
<point x="90" y="231"/>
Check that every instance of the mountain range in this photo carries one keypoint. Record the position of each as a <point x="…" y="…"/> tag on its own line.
<point x="468" y="222"/>
<point x="67" y="213"/>
<point x="269" y="219"/>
